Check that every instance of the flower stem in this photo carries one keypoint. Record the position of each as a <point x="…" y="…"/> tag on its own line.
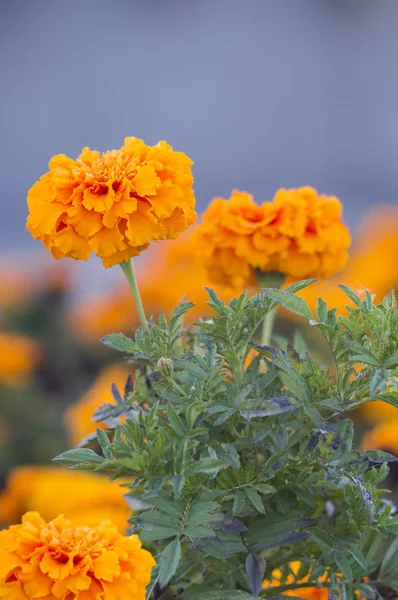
<point x="269" y="279"/>
<point x="268" y="326"/>
<point x="128" y="270"/>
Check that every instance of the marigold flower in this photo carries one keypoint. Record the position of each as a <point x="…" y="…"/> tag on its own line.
<point x="79" y="417"/>
<point x="311" y="593"/>
<point x="18" y="357"/>
<point x="299" y="233"/>
<point x="55" y="560"/>
<point x="113" y="204"/>
<point x="84" y="498"/>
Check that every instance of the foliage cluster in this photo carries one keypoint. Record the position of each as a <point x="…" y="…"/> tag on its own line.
<point x="241" y="457"/>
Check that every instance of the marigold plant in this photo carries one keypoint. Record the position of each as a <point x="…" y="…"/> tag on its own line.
<point x="83" y="498"/>
<point x="55" y="560"/>
<point x="113" y="204"/>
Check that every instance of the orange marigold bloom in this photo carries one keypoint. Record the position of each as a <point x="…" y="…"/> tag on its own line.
<point x="113" y="204"/>
<point x="84" y="498"/>
<point x="299" y="233"/>
<point x="56" y="560"/>
<point x="18" y="357"/>
<point x="79" y="417"/>
<point x="311" y="593"/>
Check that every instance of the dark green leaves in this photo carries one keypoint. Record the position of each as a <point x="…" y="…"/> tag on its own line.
<point x="169" y="561"/>
<point x="255" y="568"/>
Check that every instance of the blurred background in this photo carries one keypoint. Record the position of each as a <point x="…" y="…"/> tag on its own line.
<point x="259" y="93"/>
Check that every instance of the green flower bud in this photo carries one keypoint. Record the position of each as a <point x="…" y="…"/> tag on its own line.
<point x="165" y="366"/>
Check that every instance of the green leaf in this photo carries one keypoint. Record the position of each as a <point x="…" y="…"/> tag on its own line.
<point x="290" y="301"/>
<point x="391" y="362"/>
<point x="169" y="560"/>
<point x="193" y="368"/>
<point x="352" y="295"/>
<point x="264" y="488"/>
<point x="360" y="559"/>
<point x="299" y="285"/>
<point x="379" y="456"/>
<point x="175" y="509"/>
<point x="366" y="590"/>
<point x="275" y="530"/>
<point x="322" y="311"/>
<point x="79" y="455"/>
<point x="255" y="499"/>
<point x="389" y="565"/>
<point x="255" y="568"/>
<point x="158" y="533"/>
<point x="119" y="342"/>
<point x="105" y="444"/>
<point x="239" y="502"/>
<point x="175" y="421"/>
<point x="343" y="565"/>
<point x="207" y="465"/>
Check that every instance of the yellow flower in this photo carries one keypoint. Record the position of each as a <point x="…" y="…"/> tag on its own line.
<point x="167" y="275"/>
<point x="299" y="234"/>
<point x="384" y="436"/>
<point x="113" y="204"/>
<point x="56" y="560"/>
<point x="84" y="498"/>
<point x="18" y="358"/>
<point x="79" y="417"/>
<point x="311" y="593"/>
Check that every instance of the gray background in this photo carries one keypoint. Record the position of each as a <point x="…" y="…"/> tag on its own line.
<point x="260" y="93"/>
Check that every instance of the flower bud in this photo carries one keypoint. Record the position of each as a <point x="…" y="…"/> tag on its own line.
<point x="165" y="366"/>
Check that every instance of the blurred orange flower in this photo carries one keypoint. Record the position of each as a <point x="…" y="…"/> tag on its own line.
<point x="18" y="357"/>
<point x="166" y="276"/>
<point x="373" y="263"/>
<point x="311" y="593"/>
<point x="384" y="436"/>
<point x="84" y="498"/>
<point x="113" y="204"/>
<point x="57" y="560"/>
<point x="23" y="279"/>
<point x="299" y="234"/>
<point x="79" y="417"/>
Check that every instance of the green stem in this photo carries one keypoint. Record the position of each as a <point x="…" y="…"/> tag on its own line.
<point x="269" y="279"/>
<point x="268" y="326"/>
<point x="128" y="270"/>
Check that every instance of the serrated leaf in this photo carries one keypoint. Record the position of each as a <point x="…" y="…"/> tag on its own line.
<point x="169" y="560"/>
<point x="207" y="465"/>
<point x="105" y="444"/>
<point x="290" y="301"/>
<point x="239" y="502"/>
<point x="343" y="565"/>
<point x="255" y="499"/>
<point x="119" y="342"/>
<point x="255" y="568"/>
<point x="379" y="456"/>
<point x="79" y="455"/>
<point x="352" y="295"/>
<point x="299" y="285"/>
<point x="193" y="368"/>
<point x="175" y="509"/>
<point x="175" y="421"/>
